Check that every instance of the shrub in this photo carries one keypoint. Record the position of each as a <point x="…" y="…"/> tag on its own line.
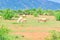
<point x="20" y="12"/>
<point x="40" y="11"/>
<point x="27" y="12"/>
<point x="8" y="14"/>
<point x="49" y="12"/>
<point x="35" y="14"/>
<point x="55" y="35"/>
<point x="4" y="33"/>
<point x="0" y="14"/>
<point x="16" y="15"/>
<point x="57" y="16"/>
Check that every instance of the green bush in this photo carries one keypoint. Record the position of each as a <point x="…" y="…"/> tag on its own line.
<point x="49" y="12"/>
<point x="20" y="12"/>
<point x="4" y="33"/>
<point x="55" y="35"/>
<point x="35" y="14"/>
<point x="0" y="14"/>
<point x="40" y="11"/>
<point x="57" y="16"/>
<point x="8" y="14"/>
<point x="16" y="15"/>
<point x="27" y="12"/>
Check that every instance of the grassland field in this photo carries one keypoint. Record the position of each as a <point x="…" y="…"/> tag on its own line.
<point x="31" y="29"/>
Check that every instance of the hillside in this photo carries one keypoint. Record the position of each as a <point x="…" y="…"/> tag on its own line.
<point x="24" y="4"/>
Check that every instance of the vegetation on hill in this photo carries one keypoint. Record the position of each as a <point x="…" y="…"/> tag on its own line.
<point x="8" y="13"/>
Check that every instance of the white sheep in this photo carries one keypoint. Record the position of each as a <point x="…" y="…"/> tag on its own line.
<point x="21" y="19"/>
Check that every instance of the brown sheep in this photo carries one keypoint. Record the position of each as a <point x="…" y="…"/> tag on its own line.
<point x="42" y="20"/>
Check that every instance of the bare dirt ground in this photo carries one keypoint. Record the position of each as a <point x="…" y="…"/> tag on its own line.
<point x="36" y="34"/>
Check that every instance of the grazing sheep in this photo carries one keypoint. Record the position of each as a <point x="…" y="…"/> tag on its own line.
<point x="21" y="19"/>
<point x="42" y="20"/>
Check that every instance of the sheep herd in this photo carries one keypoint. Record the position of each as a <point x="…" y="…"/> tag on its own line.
<point x="23" y="19"/>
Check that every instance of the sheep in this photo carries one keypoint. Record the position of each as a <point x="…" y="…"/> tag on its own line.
<point x="42" y="19"/>
<point x="21" y="19"/>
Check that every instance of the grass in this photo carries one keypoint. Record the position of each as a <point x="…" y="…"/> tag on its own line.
<point x="34" y="23"/>
<point x="31" y="23"/>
